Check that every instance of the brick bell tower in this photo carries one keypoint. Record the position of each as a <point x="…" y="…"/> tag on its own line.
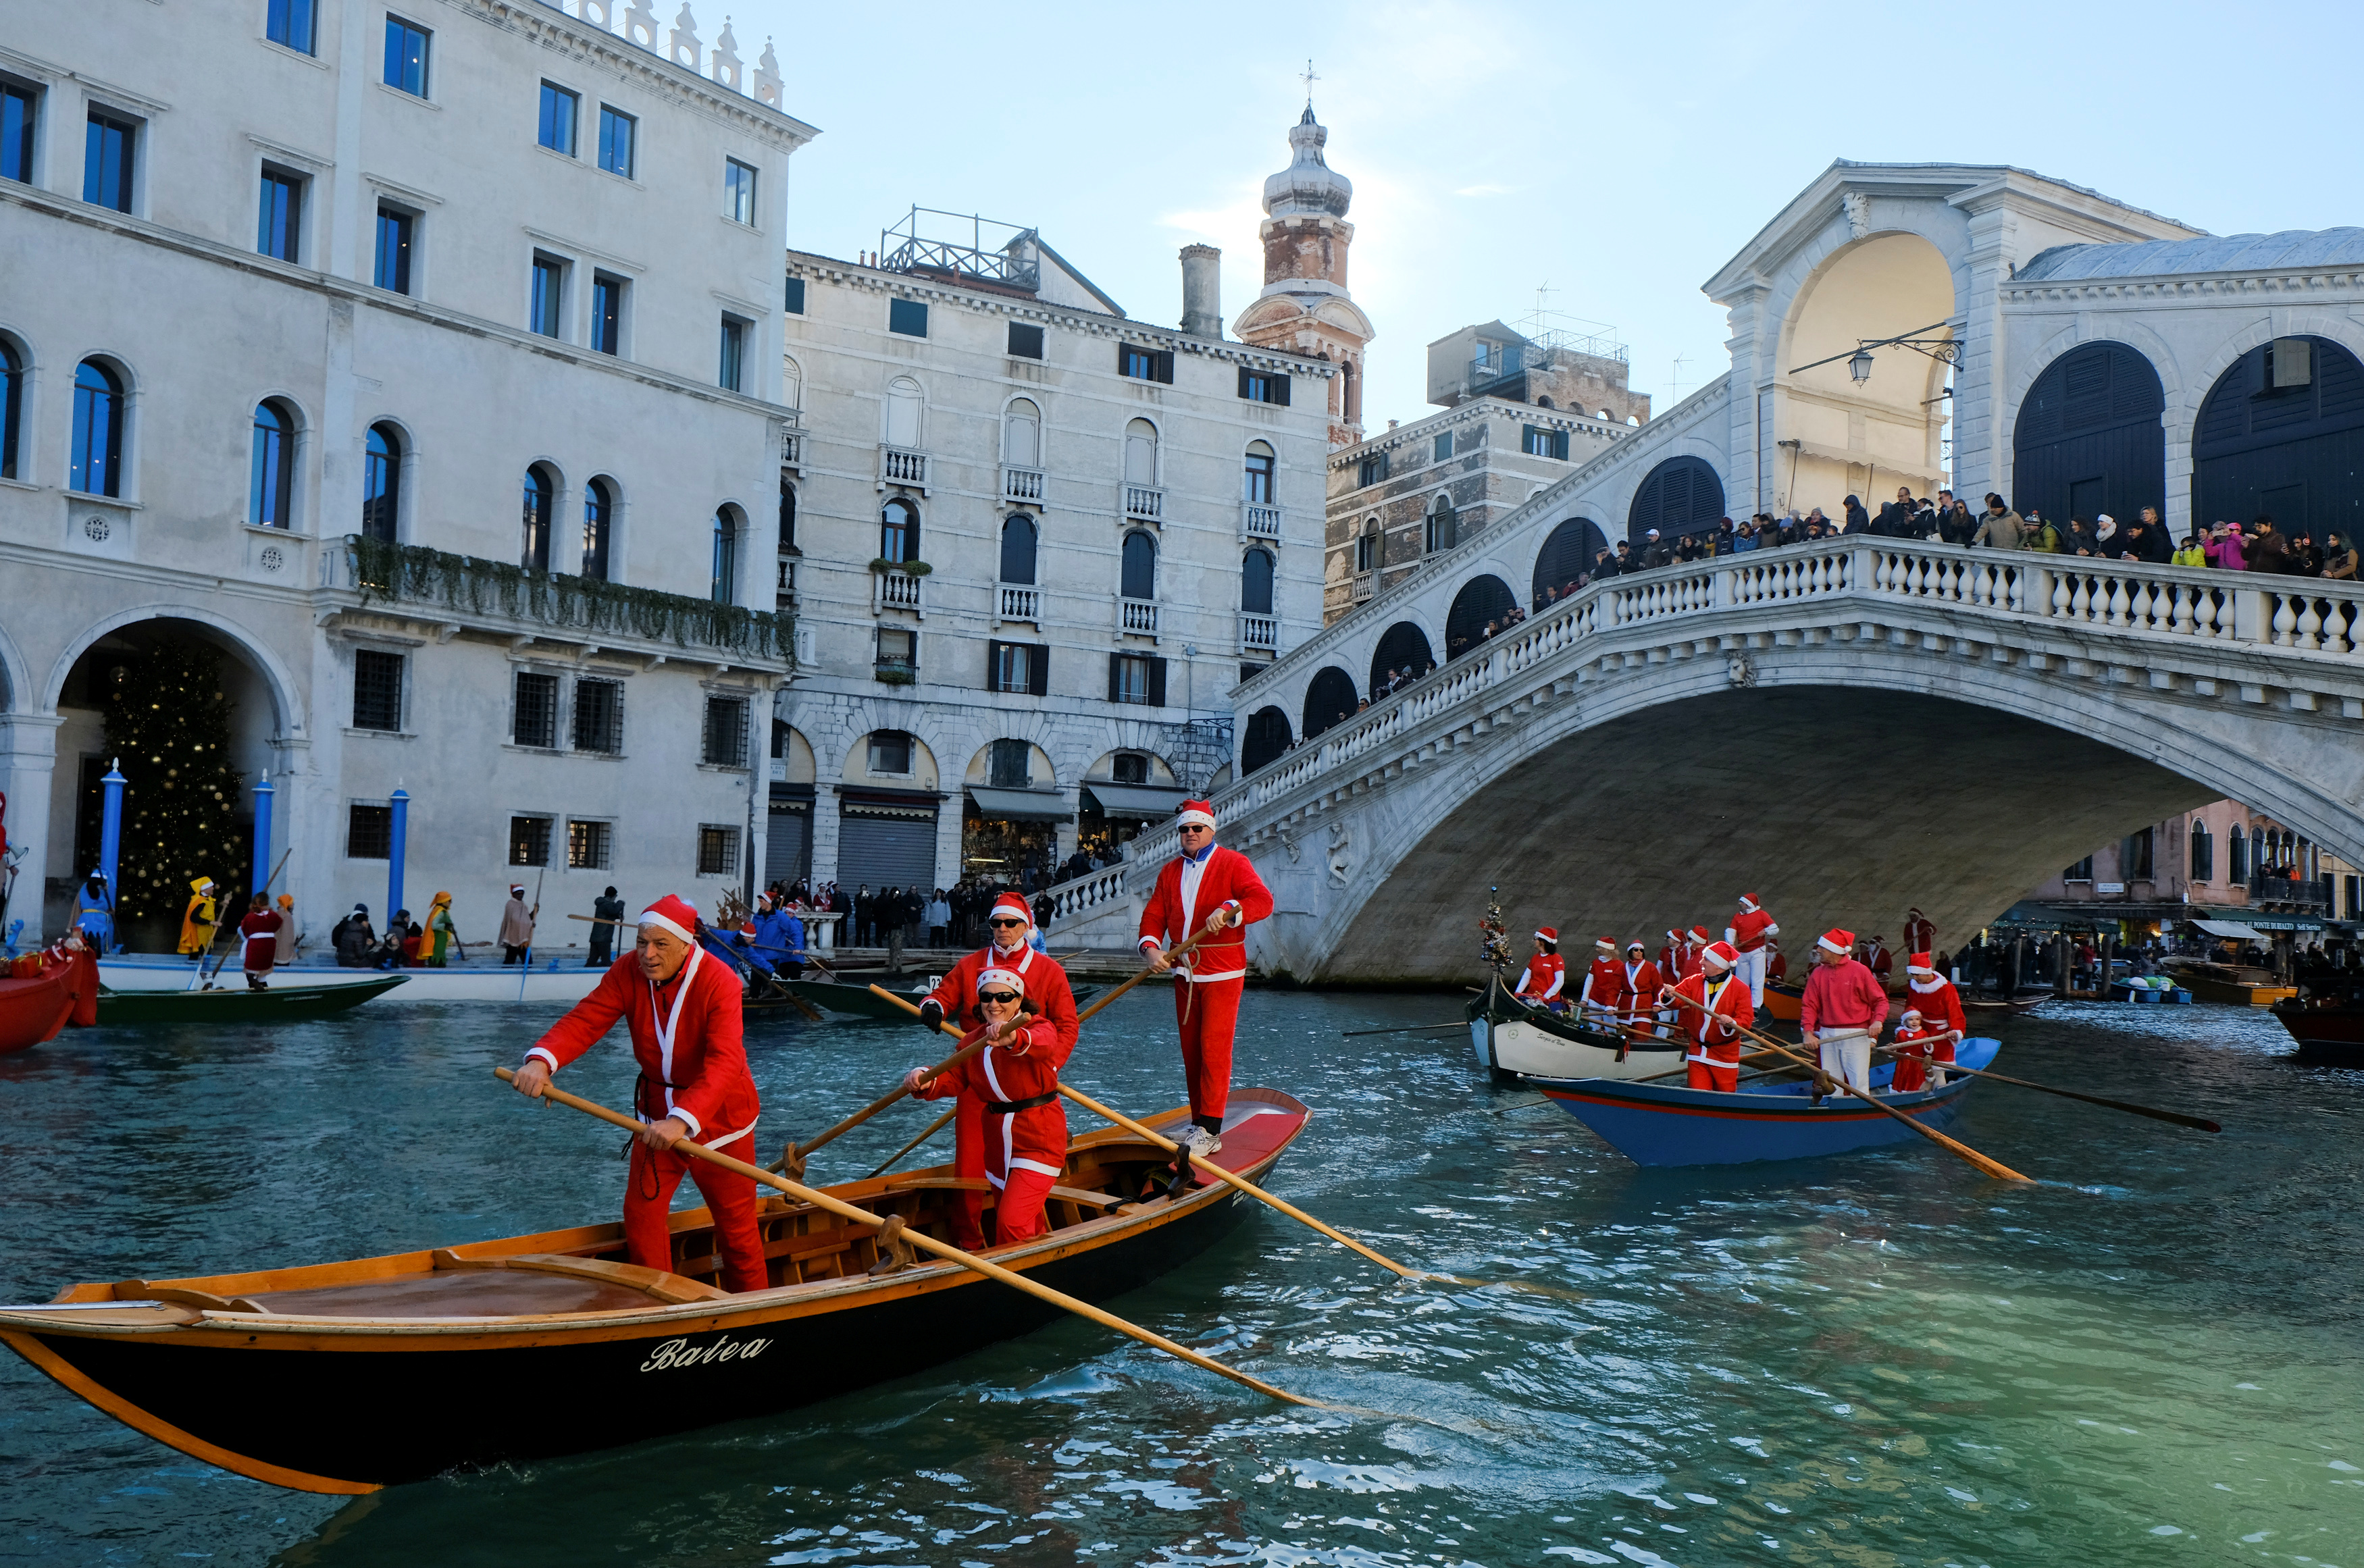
<point x="1305" y="306"/>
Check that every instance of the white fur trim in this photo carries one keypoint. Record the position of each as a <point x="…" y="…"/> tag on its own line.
<point x="545" y="1055"/>
<point x="651" y="917"/>
<point x="1009" y="977"/>
<point x="1827" y="946"/>
<point x="1191" y="819"/>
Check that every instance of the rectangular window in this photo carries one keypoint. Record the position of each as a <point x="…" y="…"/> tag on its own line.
<point x="588" y="845"/>
<point x="739" y="191"/>
<point x="1444" y="445"/>
<point x="1025" y="342"/>
<point x="108" y="154"/>
<point x="406" y="56"/>
<point x="1023" y="668"/>
<point x="600" y="716"/>
<point x="793" y="301"/>
<point x="734" y="354"/>
<point x="528" y="841"/>
<point x="898" y="649"/>
<point x="558" y="113"/>
<point x="618" y="131"/>
<point x="281" y="226"/>
<point x="2135" y="856"/>
<point x="890" y="751"/>
<point x="1137" y="678"/>
<point x="290" y="22"/>
<point x="607" y="313"/>
<point x="1264" y="386"/>
<point x="717" y="849"/>
<point x="726" y="732"/>
<point x="17" y="104"/>
<point x="537" y="710"/>
<point x="2203" y="855"/>
<point x="377" y="690"/>
<point x="1129" y="767"/>
<point x="368" y="832"/>
<point x="1144" y="365"/>
<point x="395" y="229"/>
<point x="1010" y="765"/>
<point x="1537" y="441"/>
<point x="1374" y="469"/>
<point x="549" y="297"/>
<point x="2081" y="872"/>
<point x="909" y="316"/>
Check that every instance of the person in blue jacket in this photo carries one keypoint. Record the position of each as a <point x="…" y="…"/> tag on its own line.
<point x="94" y="915"/>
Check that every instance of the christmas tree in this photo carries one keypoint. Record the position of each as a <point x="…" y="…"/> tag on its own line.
<point x="168" y="728"/>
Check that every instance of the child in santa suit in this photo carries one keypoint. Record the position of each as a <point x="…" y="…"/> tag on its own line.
<point x="1014" y="1084"/>
<point x="1915" y="1042"/>
<point x="1934" y="996"/>
<point x="1547" y="975"/>
<point x="1603" y="984"/>
<point x="1713" y="1006"/>
<point x="1210" y="887"/>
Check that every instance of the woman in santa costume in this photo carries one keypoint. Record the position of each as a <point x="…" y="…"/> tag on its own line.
<point x="1713" y="1006"/>
<point x="682" y="1007"/>
<point x="1639" y="981"/>
<point x="1010" y="923"/>
<point x="1749" y="931"/>
<point x="1546" y="974"/>
<point x="1604" y="984"/>
<point x="1934" y="996"/>
<point x="1013" y="1085"/>
<point x="1208" y="885"/>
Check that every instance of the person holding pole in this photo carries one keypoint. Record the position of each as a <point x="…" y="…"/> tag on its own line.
<point x="1933" y="997"/>
<point x="1749" y="933"/>
<point x="1843" y="1007"/>
<point x="197" y="923"/>
<point x="441" y="935"/>
<point x="517" y="927"/>
<point x="1547" y="974"/>
<point x="1014" y="1084"/>
<point x="682" y="1011"/>
<point x="1602" y="983"/>
<point x="1205" y="885"/>
<point x="1712" y="1006"/>
<point x="259" y="932"/>
<point x="608" y="918"/>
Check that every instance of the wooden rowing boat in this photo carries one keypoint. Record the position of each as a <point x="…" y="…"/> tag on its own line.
<point x="35" y="1007"/>
<point x="1514" y="1040"/>
<point x="347" y="1377"/>
<point x="2241" y="984"/>
<point x="2014" y="1006"/>
<point x="282" y="1003"/>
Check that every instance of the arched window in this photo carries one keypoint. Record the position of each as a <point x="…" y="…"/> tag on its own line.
<point x="271" y="476"/>
<point x="541" y="496"/>
<point x="1267" y="737"/>
<point x="1566" y="555"/>
<point x="1329" y="699"/>
<point x="1139" y="576"/>
<point x="1018" y="541"/>
<point x="1349" y="394"/>
<point x="903" y="408"/>
<point x="726" y="557"/>
<point x="12" y="402"/>
<point x="898" y="532"/>
<point x="1482" y="602"/>
<point x="1441" y="528"/>
<point x="787" y="517"/>
<point x="1403" y="651"/>
<point x="599" y="519"/>
<point x="1255" y="583"/>
<point x="382" y="484"/>
<point x="1543" y="402"/>
<point x="1258" y="476"/>
<point x="1681" y="496"/>
<point x="1366" y="546"/>
<point x="1607" y="417"/>
<point x="97" y="465"/>
<point x="2236" y="852"/>
<point x="1140" y="452"/>
<point x="2203" y="853"/>
<point x="2278" y="435"/>
<point x="792" y="383"/>
<point x="1021" y="435"/>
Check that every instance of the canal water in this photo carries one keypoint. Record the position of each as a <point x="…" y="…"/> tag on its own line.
<point x="2154" y="1355"/>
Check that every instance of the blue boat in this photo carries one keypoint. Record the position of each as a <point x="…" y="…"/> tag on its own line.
<point x="1659" y="1124"/>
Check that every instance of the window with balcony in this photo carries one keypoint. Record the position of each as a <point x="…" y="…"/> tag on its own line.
<point x="279" y="230"/>
<point x="1264" y="386"/>
<point x="1255" y="583"/>
<point x="395" y="228"/>
<point x="291" y="23"/>
<point x="18" y="107"/>
<point x="270" y="469"/>
<point x="1373" y="470"/>
<point x="739" y="191"/>
<point x="1140" y="452"/>
<point x="540" y="498"/>
<point x="369" y="833"/>
<point x="619" y="139"/>
<point x="1255" y="478"/>
<point x="787" y="518"/>
<point x="534" y="717"/>
<point x="546" y="307"/>
<point x="909" y="316"/>
<point x="406" y="56"/>
<point x="1144" y="365"/>
<point x="725" y="737"/>
<point x="95" y="466"/>
<point x="110" y="156"/>
<point x="589" y="845"/>
<point x="1019" y="538"/>
<point x="381" y="483"/>
<point x="1021" y="668"/>
<point x="1025" y="342"/>
<point x="560" y="110"/>
<point x="600" y="716"/>
<point x="1366" y="546"/>
<point x="1137" y="678"/>
<point x="725" y="585"/>
<point x="377" y="690"/>
<point x="529" y="840"/>
<point x="1021" y="434"/>
<point x="905" y="406"/>
<point x="898" y="532"/>
<point x="1138" y="574"/>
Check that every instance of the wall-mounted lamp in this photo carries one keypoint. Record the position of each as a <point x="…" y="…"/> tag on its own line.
<point x="1859" y="366"/>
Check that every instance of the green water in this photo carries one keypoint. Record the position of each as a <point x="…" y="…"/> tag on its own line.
<point x="1877" y="1359"/>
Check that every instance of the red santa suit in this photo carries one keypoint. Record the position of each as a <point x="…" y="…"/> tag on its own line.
<point x="1014" y="1086"/>
<point x="1919" y="936"/>
<point x="261" y="932"/>
<point x="1712" y="1036"/>
<point x="1933" y="997"/>
<point x="1547" y="975"/>
<point x="1639" y="979"/>
<point x="1602" y="981"/>
<point x="1916" y="1039"/>
<point x="685" y="1037"/>
<point x="1749" y="931"/>
<point x="1209" y="982"/>
<point x="1045" y="984"/>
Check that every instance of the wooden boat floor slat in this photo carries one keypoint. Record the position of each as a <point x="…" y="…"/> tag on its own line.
<point x="459" y="1293"/>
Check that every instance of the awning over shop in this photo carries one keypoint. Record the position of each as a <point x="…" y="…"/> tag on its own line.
<point x="1138" y="802"/>
<point x="2232" y="930"/>
<point x="1019" y="805"/>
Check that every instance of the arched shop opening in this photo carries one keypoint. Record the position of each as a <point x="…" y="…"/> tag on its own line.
<point x="1126" y="794"/>
<point x="1012" y="815"/>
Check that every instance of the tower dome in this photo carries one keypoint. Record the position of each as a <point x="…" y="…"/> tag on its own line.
<point x="1308" y="185"/>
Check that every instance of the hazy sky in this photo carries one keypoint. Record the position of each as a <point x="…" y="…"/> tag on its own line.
<point x="1620" y="155"/>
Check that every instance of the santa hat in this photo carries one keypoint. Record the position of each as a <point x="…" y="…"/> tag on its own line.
<point x="1607" y="946"/>
<point x="1920" y="963"/>
<point x="1719" y="956"/>
<point x="1748" y="902"/>
<point x="1011" y="904"/>
<point x="1007" y="979"/>
<point x="1549" y="934"/>
<point x="1699" y="934"/>
<point x="517" y="890"/>
<point x="1837" y="940"/>
<point x="1195" y="814"/>
<point x="763" y="901"/>
<point x="673" y="914"/>
<point x="1912" y="1016"/>
<point x="1634" y="945"/>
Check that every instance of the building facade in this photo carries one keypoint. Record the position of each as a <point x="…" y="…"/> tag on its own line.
<point x="1306" y="306"/>
<point x="421" y="366"/>
<point x="2222" y="862"/>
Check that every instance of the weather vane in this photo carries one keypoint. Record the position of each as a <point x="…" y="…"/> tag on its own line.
<point x="1310" y="80"/>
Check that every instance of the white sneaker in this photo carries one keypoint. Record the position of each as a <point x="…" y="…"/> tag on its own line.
<point x="1198" y="1141"/>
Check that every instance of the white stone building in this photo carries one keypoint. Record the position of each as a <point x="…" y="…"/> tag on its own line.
<point x="478" y="277"/>
<point x="1031" y="544"/>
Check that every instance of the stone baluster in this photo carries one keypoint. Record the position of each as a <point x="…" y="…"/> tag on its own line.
<point x="2310" y="625"/>
<point x="2285" y="621"/>
<point x="2184" y="596"/>
<point x="2339" y="625"/>
<point x="2117" y="615"/>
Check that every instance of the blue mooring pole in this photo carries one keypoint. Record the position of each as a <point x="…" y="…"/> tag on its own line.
<point x="110" y="828"/>
<point x="262" y="798"/>
<point x="394" y="852"/>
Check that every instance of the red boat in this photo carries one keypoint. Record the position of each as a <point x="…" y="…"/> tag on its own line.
<point x="35" y="1007"/>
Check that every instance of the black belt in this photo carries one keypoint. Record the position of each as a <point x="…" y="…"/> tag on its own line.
<point x="1008" y="1108"/>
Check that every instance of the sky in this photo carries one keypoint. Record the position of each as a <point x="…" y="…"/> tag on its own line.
<point x="1616" y="156"/>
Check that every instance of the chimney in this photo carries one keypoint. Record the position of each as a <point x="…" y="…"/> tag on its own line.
<point x="1202" y="292"/>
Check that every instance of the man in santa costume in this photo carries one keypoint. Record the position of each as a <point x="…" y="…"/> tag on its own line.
<point x="682" y="1007"/>
<point x="1713" y="1007"/>
<point x="1547" y="975"/>
<point x="1010" y="923"/>
<point x="1920" y="935"/>
<point x="1602" y="984"/>
<point x="1013" y="1085"/>
<point x="1749" y="931"/>
<point x="1933" y="997"/>
<point x="1843" y="1008"/>
<point x="1217" y="888"/>
<point x="1639" y="981"/>
<point x="259" y="932"/>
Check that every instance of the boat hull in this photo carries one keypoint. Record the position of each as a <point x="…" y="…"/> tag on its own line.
<point x="34" y="1009"/>
<point x="2333" y="1034"/>
<point x="283" y="1002"/>
<point x="1656" y="1125"/>
<point x="1511" y="1038"/>
<point x="457" y="983"/>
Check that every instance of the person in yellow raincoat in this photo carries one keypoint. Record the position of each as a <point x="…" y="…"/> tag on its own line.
<point x="197" y="925"/>
<point x="440" y="936"/>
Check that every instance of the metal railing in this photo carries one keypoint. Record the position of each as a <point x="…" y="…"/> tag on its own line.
<point x="1145" y="502"/>
<point x="1259" y="522"/>
<point x="1018" y="602"/>
<point x="898" y="466"/>
<point x="1021" y="485"/>
<point x="895" y="591"/>
<point x="1006" y="256"/>
<point x="1137" y="616"/>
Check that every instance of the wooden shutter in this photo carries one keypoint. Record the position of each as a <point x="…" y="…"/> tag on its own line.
<point x="1279" y="382"/>
<point x="1157" y="682"/>
<point x="1038" y="670"/>
<point x="1162" y="364"/>
<point x="1560" y="445"/>
<point x="1116" y="676"/>
<point x="1243" y="380"/>
<point x="993" y="666"/>
<point x="1123" y="358"/>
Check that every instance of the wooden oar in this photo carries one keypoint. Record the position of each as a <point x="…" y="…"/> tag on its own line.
<point x="1754" y="1058"/>
<point x="2201" y="1123"/>
<point x="792" y="1159"/>
<point x="934" y="1127"/>
<point x="1961" y="1150"/>
<point x="1408" y="1029"/>
<point x="928" y="1243"/>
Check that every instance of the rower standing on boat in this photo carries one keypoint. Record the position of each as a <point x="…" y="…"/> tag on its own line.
<point x="1547" y="974"/>
<point x="1721" y="1010"/>
<point x="1638" y="981"/>
<point x="1011" y="922"/>
<point x="606" y="919"/>
<point x="683" y="1012"/>
<point x="1933" y="997"/>
<point x="1013" y="1087"/>
<point x="517" y="925"/>
<point x="1749" y="933"/>
<point x="1843" y="1009"/>
<point x="1597" y="1000"/>
<point x="259" y="932"/>
<point x="1224" y="883"/>
<point x="197" y="923"/>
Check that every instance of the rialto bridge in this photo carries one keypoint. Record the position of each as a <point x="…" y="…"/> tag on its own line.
<point x="1846" y="729"/>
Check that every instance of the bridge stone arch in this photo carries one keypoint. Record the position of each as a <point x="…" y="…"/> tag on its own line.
<point x="1483" y="598"/>
<point x="2290" y="453"/>
<point x="1566" y="554"/>
<point x="2089" y="438"/>
<point x="1330" y="698"/>
<point x="1404" y="645"/>
<point x="2027" y="369"/>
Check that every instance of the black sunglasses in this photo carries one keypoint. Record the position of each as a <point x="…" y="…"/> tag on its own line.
<point x="1005" y="920"/>
<point x="1001" y="998"/>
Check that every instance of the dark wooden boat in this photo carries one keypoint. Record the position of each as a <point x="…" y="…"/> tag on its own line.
<point x="236" y="1004"/>
<point x="34" y="1008"/>
<point x="2242" y="984"/>
<point x="2328" y="1025"/>
<point x="1512" y="1038"/>
<point x="861" y="1002"/>
<point x="347" y="1377"/>
<point x="2015" y="1006"/>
